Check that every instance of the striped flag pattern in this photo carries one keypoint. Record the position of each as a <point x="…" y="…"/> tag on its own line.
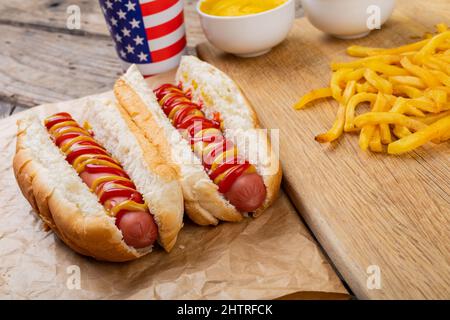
<point x="149" y="33"/>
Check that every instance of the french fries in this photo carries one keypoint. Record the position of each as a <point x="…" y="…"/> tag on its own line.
<point x="408" y="89"/>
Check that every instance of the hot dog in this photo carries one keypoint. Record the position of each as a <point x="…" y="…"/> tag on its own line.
<point x="204" y="125"/>
<point x="101" y="187"/>
<point x="106" y="178"/>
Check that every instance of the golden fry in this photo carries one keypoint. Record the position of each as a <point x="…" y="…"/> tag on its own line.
<point x="438" y="96"/>
<point x="381" y="104"/>
<point x="349" y="92"/>
<point x="367" y="132"/>
<point x="311" y="96"/>
<point x="365" y="136"/>
<point x="446" y="89"/>
<point x="409" y="91"/>
<point x="406" y="106"/>
<point x="365" y="87"/>
<point x="444" y="56"/>
<point x="351" y="107"/>
<point x="373" y="118"/>
<point x="423" y="103"/>
<point x="437" y="64"/>
<point x="430" y="47"/>
<point x="355" y="75"/>
<point x="426" y="76"/>
<point x="444" y="78"/>
<point x="386" y="69"/>
<point x="436" y="130"/>
<point x="337" y="129"/>
<point x="445" y="107"/>
<point x="385" y="131"/>
<point x="432" y="118"/>
<point x="378" y="82"/>
<point x="375" y="143"/>
<point x="445" y="137"/>
<point x="441" y="27"/>
<point x="389" y="59"/>
<point x="428" y="35"/>
<point x="400" y="106"/>
<point x="401" y="132"/>
<point x="358" y="51"/>
<point x="335" y="83"/>
<point x="408" y="81"/>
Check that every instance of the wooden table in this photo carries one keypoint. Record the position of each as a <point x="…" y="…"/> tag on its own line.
<point x="377" y="216"/>
<point x="41" y="60"/>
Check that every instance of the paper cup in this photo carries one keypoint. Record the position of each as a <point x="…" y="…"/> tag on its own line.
<point x="148" y="33"/>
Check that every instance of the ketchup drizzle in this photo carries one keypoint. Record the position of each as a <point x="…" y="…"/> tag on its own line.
<point x="189" y="118"/>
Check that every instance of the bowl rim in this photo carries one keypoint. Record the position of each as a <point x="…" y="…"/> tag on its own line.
<point x="201" y="13"/>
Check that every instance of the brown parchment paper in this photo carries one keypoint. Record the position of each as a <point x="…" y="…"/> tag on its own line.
<point x="264" y="258"/>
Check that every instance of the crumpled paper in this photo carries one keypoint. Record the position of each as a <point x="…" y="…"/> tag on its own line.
<point x="264" y="258"/>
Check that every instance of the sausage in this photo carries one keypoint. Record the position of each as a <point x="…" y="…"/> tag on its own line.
<point x="138" y="228"/>
<point x="247" y="193"/>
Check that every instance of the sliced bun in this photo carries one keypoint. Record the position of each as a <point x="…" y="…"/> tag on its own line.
<point x="204" y="204"/>
<point x="219" y="93"/>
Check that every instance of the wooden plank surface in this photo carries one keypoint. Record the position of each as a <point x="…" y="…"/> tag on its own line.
<point x="39" y="67"/>
<point x="367" y="210"/>
<point x="51" y="15"/>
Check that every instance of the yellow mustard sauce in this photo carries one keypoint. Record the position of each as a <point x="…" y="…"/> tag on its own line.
<point x="238" y="7"/>
<point x="128" y="205"/>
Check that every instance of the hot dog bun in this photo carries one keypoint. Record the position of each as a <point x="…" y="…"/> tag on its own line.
<point x="71" y="210"/>
<point x="219" y="93"/>
<point x="203" y="203"/>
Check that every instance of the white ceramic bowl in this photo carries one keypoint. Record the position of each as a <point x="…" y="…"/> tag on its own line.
<point x="346" y="19"/>
<point x="249" y="35"/>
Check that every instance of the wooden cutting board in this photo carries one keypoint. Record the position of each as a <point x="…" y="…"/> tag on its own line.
<point x="371" y="212"/>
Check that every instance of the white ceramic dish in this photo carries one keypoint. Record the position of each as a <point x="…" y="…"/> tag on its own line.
<point x="249" y="35"/>
<point x="347" y="19"/>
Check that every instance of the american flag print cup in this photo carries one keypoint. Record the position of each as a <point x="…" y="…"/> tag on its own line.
<point x="148" y="33"/>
